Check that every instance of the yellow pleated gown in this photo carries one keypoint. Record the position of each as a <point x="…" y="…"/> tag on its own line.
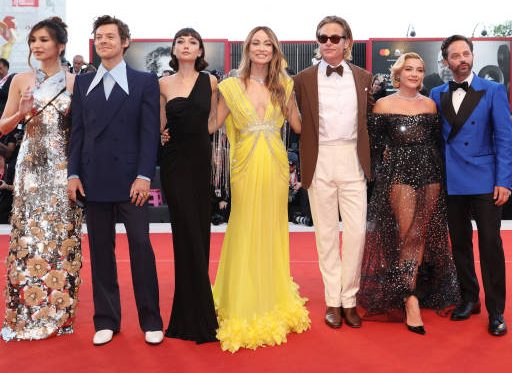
<point x="257" y="302"/>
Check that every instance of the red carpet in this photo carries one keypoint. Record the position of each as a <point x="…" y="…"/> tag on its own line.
<point x="377" y="347"/>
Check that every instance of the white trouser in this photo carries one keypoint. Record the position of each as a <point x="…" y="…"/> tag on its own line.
<point x="339" y="185"/>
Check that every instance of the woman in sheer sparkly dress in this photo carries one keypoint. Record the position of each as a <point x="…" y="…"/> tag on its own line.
<point x="407" y="261"/>
<point x="44" y="257"/>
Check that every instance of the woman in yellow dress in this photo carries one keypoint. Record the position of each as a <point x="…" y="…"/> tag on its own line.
<point x="257" y="302"/>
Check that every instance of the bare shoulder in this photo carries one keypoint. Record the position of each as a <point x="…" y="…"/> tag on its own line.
<point x="213" y="82"/>
<point x="384" y="105"/>
<point x="164" y="81"/>
<point x="21" y="81"/>
<point x="430" y="105"/>
<point x="23" y="77"/>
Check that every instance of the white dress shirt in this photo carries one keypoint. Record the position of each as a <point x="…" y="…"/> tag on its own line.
<point x="459" y="94"/>
<point x="337" y="104"/>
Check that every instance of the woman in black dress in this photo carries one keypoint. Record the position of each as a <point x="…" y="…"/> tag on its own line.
<point x="407" y="261"/>
<point x="186" y="101"/>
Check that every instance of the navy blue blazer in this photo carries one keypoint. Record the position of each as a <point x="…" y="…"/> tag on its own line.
<point x="115" y="140"/>
<point x="478" y="139"/>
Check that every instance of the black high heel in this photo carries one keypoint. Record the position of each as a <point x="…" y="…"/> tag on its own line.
<point x="420" y="329"/>
<point x="416" y="329"/>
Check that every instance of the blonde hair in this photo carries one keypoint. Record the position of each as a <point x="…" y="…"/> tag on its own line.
<point x="398" y="66"/>
<point x="347" y="53"/>
<point x="276" y="69"/>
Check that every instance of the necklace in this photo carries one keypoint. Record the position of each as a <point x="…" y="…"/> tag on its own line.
<point x="257" y="79"/>
<point x="417" y="96"/>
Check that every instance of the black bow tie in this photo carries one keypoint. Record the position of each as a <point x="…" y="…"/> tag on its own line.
<point x="338" y="70"/>
<point x="454" y="86"/>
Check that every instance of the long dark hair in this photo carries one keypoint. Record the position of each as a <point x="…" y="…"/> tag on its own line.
<point x="200" y="63"/>
<point x="57" y="30"/>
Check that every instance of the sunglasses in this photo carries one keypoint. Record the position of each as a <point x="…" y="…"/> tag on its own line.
<point x="335" y="39"/>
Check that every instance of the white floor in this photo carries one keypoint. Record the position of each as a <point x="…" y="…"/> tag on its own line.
<point x="5" y="229"/>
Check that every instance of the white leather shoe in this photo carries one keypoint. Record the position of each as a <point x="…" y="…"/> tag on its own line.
<point x="102" y="337"/>
<point x="155" y="337"/>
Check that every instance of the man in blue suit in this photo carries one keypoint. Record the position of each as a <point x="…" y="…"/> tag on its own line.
<point x="113" y="148"/>
<point x="477" y="137"/>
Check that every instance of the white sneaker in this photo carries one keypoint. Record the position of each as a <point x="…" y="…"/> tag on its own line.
<point x="155" y="337"/>
<point x="102" y="337"/>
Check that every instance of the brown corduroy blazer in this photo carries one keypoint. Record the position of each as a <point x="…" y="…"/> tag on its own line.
<point x="306" y="91"/>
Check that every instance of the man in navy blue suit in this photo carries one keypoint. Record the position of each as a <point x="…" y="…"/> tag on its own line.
<point x="477" y="137"/>
<point x="113" y="148"/>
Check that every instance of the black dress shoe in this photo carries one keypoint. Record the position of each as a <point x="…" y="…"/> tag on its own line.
<point x="416" y="329"/>
<point x="333" y="317"/>
<point x="497" y="326"/>
<point x="465" y="310"/>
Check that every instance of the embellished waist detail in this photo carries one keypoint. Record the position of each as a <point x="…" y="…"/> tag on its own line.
<point x="260" y="127"/>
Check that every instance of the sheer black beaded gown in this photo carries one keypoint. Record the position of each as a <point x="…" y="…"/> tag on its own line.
<point x="406" y="251"/>
<point x="185" y="174"/>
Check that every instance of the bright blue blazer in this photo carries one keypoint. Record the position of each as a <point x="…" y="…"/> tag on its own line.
<point x="478" y="139"/>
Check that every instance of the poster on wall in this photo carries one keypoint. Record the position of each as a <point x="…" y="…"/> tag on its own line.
<point x="16" y="19"/>
<point x="491" y="59"/>
<point x="154" y="55"/>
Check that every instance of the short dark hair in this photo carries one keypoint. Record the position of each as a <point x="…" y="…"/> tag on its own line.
<point x="57" y="30"/>
<point x="200" y="63"/>
<point x="4" y="62"/>
<point x="446" y="43"/>
<point x="122" y="28"/>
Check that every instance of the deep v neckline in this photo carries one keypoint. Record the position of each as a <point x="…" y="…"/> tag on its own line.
<point x="251" y="104"/>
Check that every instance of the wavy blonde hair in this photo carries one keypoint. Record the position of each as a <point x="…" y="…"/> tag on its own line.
<point x="398" y="66"/>
<point x="276" y="69"/>
<point x="347" y="53"/>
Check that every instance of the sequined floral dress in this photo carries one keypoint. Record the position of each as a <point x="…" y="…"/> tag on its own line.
<point x="407" y="250"/>
<point x="44" y="258"/>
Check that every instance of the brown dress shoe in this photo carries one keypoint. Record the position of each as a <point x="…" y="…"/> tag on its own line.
<point x="351" y="317"/>
<point x="333" y="317"/>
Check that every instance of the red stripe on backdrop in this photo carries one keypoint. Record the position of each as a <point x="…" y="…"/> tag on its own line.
<point x="384" y="347"/>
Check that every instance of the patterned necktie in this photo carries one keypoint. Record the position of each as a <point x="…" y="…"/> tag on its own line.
<point x="108" y="84"/>
<point x="338" y="70"/>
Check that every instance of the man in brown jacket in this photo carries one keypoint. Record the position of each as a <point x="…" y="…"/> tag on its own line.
<point x="334" y="99"/>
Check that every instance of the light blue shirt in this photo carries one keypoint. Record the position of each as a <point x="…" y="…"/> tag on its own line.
<point x="110" y="78"/>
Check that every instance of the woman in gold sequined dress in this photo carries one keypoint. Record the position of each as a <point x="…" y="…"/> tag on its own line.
<point x="257" y="301"/>
<point x="44" y="257"/>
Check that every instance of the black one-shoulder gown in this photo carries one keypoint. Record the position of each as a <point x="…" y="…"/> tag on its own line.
<point x="185" y="174"/>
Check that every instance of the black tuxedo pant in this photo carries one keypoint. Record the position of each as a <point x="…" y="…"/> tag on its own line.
<point x="492" y="259"/>
<point x="101" y="218"/>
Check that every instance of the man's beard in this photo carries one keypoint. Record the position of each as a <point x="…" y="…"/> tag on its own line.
<point x="458" y="69"/>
